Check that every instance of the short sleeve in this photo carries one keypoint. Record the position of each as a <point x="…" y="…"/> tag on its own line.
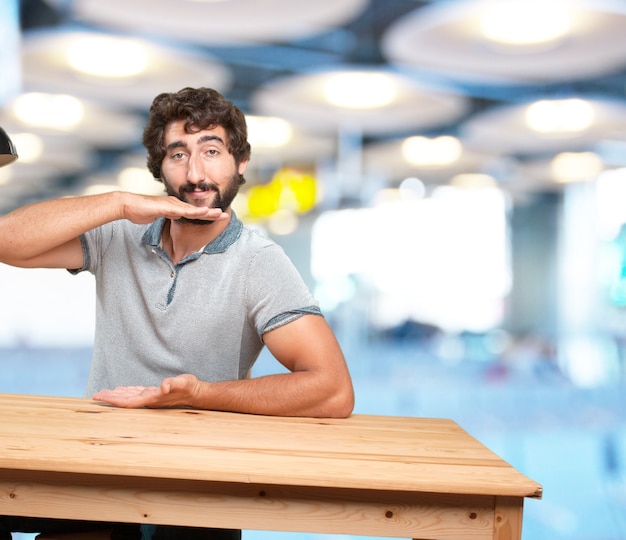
<point x="275" y="291"/>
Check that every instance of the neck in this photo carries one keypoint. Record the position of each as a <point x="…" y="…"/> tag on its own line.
<point x="181" y="239"/>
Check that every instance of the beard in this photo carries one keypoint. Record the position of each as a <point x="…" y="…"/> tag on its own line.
<point x="222" y="199"/>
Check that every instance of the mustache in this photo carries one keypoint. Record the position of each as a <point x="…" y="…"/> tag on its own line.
<point x="202" y="186"/>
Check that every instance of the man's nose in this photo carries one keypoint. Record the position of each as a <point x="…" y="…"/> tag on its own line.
<point x="195" y="170"/>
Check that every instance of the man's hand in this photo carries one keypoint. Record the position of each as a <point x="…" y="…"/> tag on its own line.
<point x="146" y="208"/>
<point x="173" y="392"/>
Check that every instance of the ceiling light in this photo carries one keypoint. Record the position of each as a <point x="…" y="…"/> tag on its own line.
<point x="525" y="22"/>
<point x="104" y="56"/>
<point x="576" y="167"/>
<point x="559" y="116"/>
<point x="387" y="196"/>
<point x="139" y="180"/>
<point x="440" y="151"/>
<point x="6" y="175"/>
<point x="58" y="111"/>
<point x="473" y="181"/>
<point x="412" y="188"/>
<point x="30" y="145"/>
<point x="283" y="222"/>
<point x="359" y="90"/>
<point x="268" y="131"/>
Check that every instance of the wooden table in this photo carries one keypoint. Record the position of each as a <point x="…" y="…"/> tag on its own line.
<point x="366" y="475"/>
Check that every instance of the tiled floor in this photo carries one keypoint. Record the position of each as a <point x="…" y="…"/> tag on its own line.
<point x="572" y="440"/>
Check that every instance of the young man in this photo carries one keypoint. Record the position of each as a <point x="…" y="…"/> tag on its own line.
<point x="186" y="295"/>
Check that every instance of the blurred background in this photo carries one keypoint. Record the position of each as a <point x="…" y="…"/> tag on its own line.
<point x="448" y="176"/>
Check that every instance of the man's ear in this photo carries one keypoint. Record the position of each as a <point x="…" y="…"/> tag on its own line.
<point x="242" y="167"/>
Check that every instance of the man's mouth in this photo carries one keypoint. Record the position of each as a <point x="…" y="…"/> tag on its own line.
<point x="198" y="193"/>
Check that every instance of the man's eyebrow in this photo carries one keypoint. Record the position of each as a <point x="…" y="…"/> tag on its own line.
<point x="201" y="140"/>
<point x="176" y="144"/>
<point x="209" y="138"/>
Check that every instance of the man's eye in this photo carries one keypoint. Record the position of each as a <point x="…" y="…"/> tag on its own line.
<point x="178" y="155"/>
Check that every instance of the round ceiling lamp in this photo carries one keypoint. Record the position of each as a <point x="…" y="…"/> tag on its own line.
<point x="569" y="167"/>
<point x="225" y="22"/>
<point x="107" y="56"/>
<point x="439" y="151"/>
<point x="57" y="111"/>
<point x="366" y="100"/>
<point x="120" y="70"/>
<point x="103" y="127"/>
<point x="429" y="160"/>
<point x="526" y="22"/>
<point x="505" y="41"/>
<point x="30" y="145"/>
<point x="561" y="116"/>
<point x="546" y="126"/>
<point x="268" y="131"/>
<point x="359" y="90"/>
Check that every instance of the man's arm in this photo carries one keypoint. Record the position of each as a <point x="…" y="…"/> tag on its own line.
<point x="46" y="234"/>
<point x="318" y="384"/>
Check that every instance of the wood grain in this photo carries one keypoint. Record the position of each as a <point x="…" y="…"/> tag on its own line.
<point x="371" y="475"/>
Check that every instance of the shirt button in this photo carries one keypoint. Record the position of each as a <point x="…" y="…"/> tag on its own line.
<point x="171" y="274"/>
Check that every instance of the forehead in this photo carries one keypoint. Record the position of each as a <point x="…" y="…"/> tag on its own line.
<point x="175" y="133"/>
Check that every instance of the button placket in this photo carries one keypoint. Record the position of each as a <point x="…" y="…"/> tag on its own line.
<point x="173" y="271"/>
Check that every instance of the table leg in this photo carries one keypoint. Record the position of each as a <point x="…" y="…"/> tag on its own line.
<point x="508" y="518"/>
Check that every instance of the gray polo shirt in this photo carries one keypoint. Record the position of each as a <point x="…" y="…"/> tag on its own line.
<point x="205" y="315"/>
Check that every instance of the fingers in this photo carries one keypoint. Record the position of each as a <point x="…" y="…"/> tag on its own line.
<point x="183" y="209"/>
<point x="145" y="209"/>
<point x="173" y="391"/>
<point x="128" y="396"/>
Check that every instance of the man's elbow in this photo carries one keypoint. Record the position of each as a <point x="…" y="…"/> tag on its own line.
<point x="342" y="403"/>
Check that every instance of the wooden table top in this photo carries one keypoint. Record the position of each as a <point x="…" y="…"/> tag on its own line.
<point x="73" y="435"/>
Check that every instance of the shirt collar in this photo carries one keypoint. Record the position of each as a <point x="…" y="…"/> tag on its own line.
<point x="227" y="237"/>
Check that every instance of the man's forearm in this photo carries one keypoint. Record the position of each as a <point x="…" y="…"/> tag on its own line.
<point x="285" y="394"/>
<point x="45" y="233"/>
<point x="33" y="230"/>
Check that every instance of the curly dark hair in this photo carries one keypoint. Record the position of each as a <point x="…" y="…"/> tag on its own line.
<point x="201" y="108"/>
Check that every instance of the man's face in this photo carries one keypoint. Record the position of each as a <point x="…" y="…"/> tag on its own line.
<point x="197" y="167"/>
